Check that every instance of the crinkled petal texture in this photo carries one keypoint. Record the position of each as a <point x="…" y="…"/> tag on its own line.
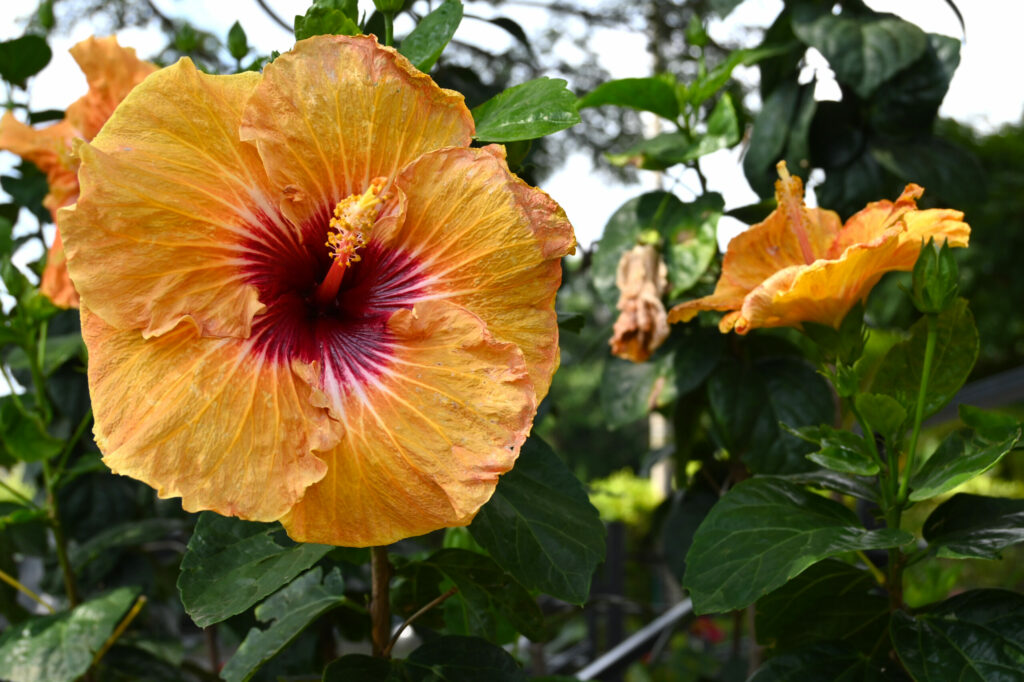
<point x="801" y="265"/>
<point x="171" y="202"/>
<point x="337" y="111"/>
<point x="219" y="370"/>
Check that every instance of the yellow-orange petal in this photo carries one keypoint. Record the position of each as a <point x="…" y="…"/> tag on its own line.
<point x="687" y="310"/>
<point x="822" y="292"/>
<point x="205" y="419"/>
<point x="49" y="149"/>
<point x="488" y="242"/>
<point x="426" y="439"/>
<point x="55" y="283"/>
<point x="111" y="71"/>
<point x="171" y="203"/>
<point x="874" y="220"/>
<point x="337" y="111"/>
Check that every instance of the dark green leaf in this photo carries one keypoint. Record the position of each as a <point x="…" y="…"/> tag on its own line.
<point x="60" y="648"/>
<point x="977" y="636"/>
<point x="972" y="526"/>
<point x="832" y="661"/>
<point x="527" y="111"/>
<point x="287" y="613"/>
<point x="685" y="515"/>
<point x="59" y="349"/>
<point x="956" y="349"/>
<point x="947" y="169"/>
<point x="883" y="414"/>
<point x="484" y="589"/>
<point x="792" y="616"/>
<point x="462" y="659"/>
<point x="854" y="486"/>
<point x="28" y="189"/>
<point x="45" y="116"/>
<point x="424" y="45"/>
<point x="656" y="94"/>
<point x="705" y="88"/>
<point x="23" y="58"/>
<point x="571" y="322"/>
<point x="669" y="149"/>
<point x="849" y="187"/>
<point x="324" y="18"/>
<point x="749" y="400"/>
<point x="231" y="564"/>
<point x="840" y="451"/>
<point x="922" y="87"/>
<point x="863" y="50"/>
<point x="363" y="668"/>
<point x="773" y="531"/>
<point x="514" y="29"/>
<point x="963" y="455"/>
<point x="630" y="390"/>
<point x="696" y="352"/>
<point x="540" y="526"/>
<point x="238" y="44"/>
<point x="781" y="132"/>
<point x="102" y="549"/>
<point x="24" y="436"/>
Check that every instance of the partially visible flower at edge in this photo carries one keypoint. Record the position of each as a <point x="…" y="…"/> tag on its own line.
<point x="111" y="72"/>
<point x="642" y="327"/>
<point x="803" y="265"/>
<point x="306" y="299"/>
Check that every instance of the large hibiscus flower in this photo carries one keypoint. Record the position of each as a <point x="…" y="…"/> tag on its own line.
<point x="111" y="72"/>
<point x="804" y="265"/>
<point x="306" y="299"/>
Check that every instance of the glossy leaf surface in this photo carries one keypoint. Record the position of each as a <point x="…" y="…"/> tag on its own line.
<point x="527" y="111"/>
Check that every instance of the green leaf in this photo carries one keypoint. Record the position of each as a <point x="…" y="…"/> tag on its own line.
<point x="22" y="58"/>
<point x="484" y="590"/>
<point x="24" y="436"/>
<point x="914" y="104"/>
<point x="59" y="350"/>
<point x="832" y="661"/>
<point x="855" y="486"/>
<point x="864" y="51"/>
<point x="971" y="526"/>
<point x="100" y="553"/>
<point x="424" y="45"/>
<point x="231" y="564"/>
<point x="792" y="616"/>
<point x="704" y="88"/>
<point x="238" y="43"/>
<point x="60" y="648"/>
<point x="668" y="149"/>
<point x="656" y="94"/>
<point x="977" y="636"/>
<point x="943" y="166"/>
<point x="781" y="132"/>
<point x="325" y="18"/>
<point x="630" y="390"/>
<point x="964" y="454"/>
<point x="840" y="451"/>
<point x="462" y="659"/>
<point x="883" y="414"/>
<point x="691" y="241"/>
<point x="571" y="322"/>
<point x="688" y="509"/>
<point x="363" y="668"/>
<point x="540" y="526"/>
<point x="773" y="530"/>
<point x="749" y="400"/>
<point x="526" y="111"/>
<point x="956" y="349"/>
<point x="287" y="613"/>
<point x="697" y="351"/>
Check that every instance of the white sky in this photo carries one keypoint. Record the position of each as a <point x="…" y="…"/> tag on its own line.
<point x="589" y="199"/>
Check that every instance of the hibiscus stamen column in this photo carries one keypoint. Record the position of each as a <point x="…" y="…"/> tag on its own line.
<point x="791" y="195"/>
<point x="353" y="219"/>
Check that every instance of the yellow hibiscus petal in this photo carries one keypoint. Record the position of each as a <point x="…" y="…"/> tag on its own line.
<point x="822" y="292"/>
<point x="425" y="439"/>
<point x="338" y="111"/>
<point x="205" y="419"/>
<point x="872" y="222"/>
<point x="171" y="206"/>
<point x="55" y="283"/>
<point x="49" y="149"/>
<point x="488" y="242"/>
<point x="111" y="71"/>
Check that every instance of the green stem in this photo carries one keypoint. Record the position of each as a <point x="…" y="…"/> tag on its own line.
<point x="869" y="434"/>
<point x="70" y="445"/>
<point x="879" y="576"/>
<point x="926" y="370"/>
<point x="60" y="542"/>
<point x="389" y="28"/>
<point x="18" y="494"/>
<point x="24" y="590"/>
<point x="380" y="611"/>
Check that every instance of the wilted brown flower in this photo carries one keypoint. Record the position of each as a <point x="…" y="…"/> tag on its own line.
<point x="642" y="326"/>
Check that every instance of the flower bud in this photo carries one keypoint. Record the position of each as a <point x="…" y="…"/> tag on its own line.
<point x="936" y="279"/>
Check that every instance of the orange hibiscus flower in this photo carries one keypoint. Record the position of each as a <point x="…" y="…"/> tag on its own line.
<point x="111" y="72"/>
<point x="306" y="298"/>
<point x="803" y="265"/>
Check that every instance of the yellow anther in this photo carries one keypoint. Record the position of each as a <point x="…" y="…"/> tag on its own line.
<point x="353" y="219"/>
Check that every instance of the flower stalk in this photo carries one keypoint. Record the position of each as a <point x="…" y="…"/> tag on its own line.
<point x="380" y="609"/>
<point x="926" y="370"/>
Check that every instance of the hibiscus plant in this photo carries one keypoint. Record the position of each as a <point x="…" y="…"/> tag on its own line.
<point x="280" y="387"/>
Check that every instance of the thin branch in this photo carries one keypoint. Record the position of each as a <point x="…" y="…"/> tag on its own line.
<point x="409" y="621"/>
<point x="380" y="610"/>
<point x="119" y="630"/>
<point x="273" y="15"/>
<point x="25" y="591"/>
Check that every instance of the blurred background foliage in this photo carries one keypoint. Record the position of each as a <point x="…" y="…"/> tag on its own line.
<point x="657" y="441"/>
